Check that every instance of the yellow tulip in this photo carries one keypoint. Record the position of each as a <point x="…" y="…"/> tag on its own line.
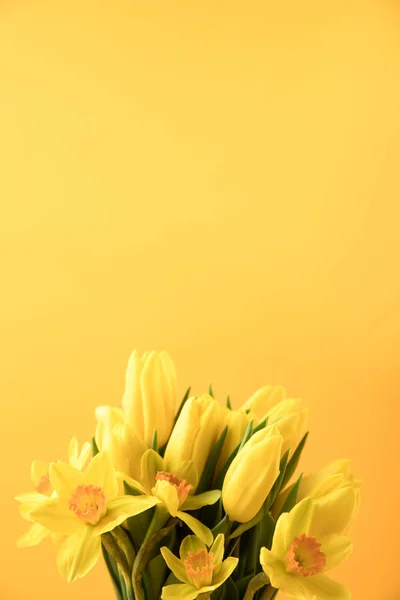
<point x="150" y="400"/>
<point x="251" y="476"/>
<point x="307" y="542"/>
<point x="264" y="399"/>
<point x="237" y="422"/>
<point x="195" y="433"/>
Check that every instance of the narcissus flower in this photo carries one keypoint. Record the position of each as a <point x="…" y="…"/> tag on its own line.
<point x="251" y="476"/>
<point x="172" y="492"/>
<point x="201" y="570"/>
<point x="308" y="542"/>
<point x="86" y="506"/>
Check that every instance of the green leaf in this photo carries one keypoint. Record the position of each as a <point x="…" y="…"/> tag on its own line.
<point x="293" y="462"/>
<point x="230" y="591"/>
<point x="156" y="572"/>
<point x="245" y="526"/>
<point x="278" y="483"/>
<point x="185" y="397"/>
<point x="228" y="403"/>
<point x="292" y="496"/>
<point x="242" y="584"/>
<point x="267" y="528"/>
<point x="154" y="442"/>
<point x="95" y="449"/>
<point x="209" y="469"/>
<point x="112" y="569"/>
<point x="221" y="527"/>
<point x="210" y="391"/>
<point x="261" y="425"/>
<point x="221" y="475"/>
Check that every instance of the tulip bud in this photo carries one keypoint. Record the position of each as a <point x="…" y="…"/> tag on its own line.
<point x="251" y="476"/>
<point x="237" y="422"/>
<point x="290" y="419"/>
<point x="195" y="433"/>
<point x="149" y="400"/>
<point x="264" y="399"/>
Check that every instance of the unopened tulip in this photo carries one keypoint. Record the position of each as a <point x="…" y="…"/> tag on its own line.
<point x="237" y="422"/>
<point x="251" y="476"/>
<point x="149" y="400"/>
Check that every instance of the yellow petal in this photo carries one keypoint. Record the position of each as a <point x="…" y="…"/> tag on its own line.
<point x="168" y="494"/>
<point x="174" y="564"/>
<point x="264" y="399"/>
<point x="150" y="464"/>
<point x="227" y="568"/>
<point x="324" y="588"/>
<point x="190" y="543"/>
<point x="100" y="472"/>
<point x="177" y="591"/>
<point x="186" y="470"/>
<point x="55" y="515"/>
<point x="198" y="528"/>
<point x="336" y="549"/>
<point x="218" y="548"/>
<point x="39" y="469"/>
<point x="206" y="498"/>
<point x="274" y="568"/>
<point x="120" y="509"/>
<point x="33" y="536"/>
<point x="291" y="525"/>
<point x="334" y="512"/>
<point x="78" y="554"/>
<point x="64" y="478"/>
<point x="31" y="499"/>
<point x="133" y="483"/>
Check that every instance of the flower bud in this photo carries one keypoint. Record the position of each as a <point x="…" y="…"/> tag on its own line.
<point x="237" y="422"/>
<point x="149" y="400"/>
<point x="251" y="476"/>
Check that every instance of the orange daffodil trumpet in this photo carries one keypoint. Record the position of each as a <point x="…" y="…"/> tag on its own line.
<point x="194" y="499"/>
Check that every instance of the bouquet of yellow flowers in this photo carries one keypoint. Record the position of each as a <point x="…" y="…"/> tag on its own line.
<point x="192" y="499"/>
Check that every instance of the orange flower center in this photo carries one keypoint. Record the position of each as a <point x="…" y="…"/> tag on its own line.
<point x="181" y="485"/>
<point x="304" y="556"/>
<point x="199" y="568"/>
<point x="88" y="502"/>
<point x="44" y="486"/>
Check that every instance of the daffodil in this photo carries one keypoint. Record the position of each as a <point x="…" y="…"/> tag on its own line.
<point x="307" y="543"/>
<point x="200" y="569"/>
<point x="172" y="491"/>
<point x="86" y="505"/>
<point x="43" y="490"/>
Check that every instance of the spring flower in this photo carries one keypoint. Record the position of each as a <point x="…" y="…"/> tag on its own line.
<point x="201" y="570"/>
<point x="150" y="400"/>
<point x="264" y="399"/>
<point x="172" y="491"/>
<point x="43" y="490"/>
<point x="307" y="542"/>
<point x="237" y="422"/>
<point x="86" y="505"/>
<point x="251" y="475"/>
<point x="195" y="433"/>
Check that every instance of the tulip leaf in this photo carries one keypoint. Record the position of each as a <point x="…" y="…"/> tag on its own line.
<point x="293" y="462"/>
<point x="292" y="496"/>
<point x="242" y="584"/>
<point x="210" y="391"/>
<point x="154" y="441"/>
<point x="112" y="569"/>
<point x="267" y="528"/>
<point x="205" y="482"/>
<point x="228" y="403"/>
<point x="278" y="483"/>
<point x="185" y="397"/>
<point x="95" y="449"/>
<point x="221" y="527"/>
<point x="221" y="475"/>
<point x="245" y="526"/>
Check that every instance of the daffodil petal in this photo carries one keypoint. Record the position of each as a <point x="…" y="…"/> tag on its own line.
<point x="177" y="591"/>
<point x="186" y="469"/>
<point x="55" y="515"/>
<point x="325" y="588"/>
<point x="65" y="478"/>
<point x="274" y="568"/>
<point x="39" y="469"/>
<point x="100" y="472"/>
<point x="227" y="568"/>
<point x="78" y="554"/>
<point x="194" y="502"/>
<point x="168" y="494"/>
<point x="336" y="549"/>
<point x="218" y="548"/>
<point x="150" y="464"/>
<point x="174" y="564"/>
<point x="191" y="543"/>
<point x="198" y="528"/>
<point x="33" y="536"/>
<point x="291" y="525"/>
<point x="123" y="508"/>
<point x="31" y="498"/>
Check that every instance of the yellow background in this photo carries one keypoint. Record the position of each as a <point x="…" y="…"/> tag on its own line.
<point x="219" y="179"/>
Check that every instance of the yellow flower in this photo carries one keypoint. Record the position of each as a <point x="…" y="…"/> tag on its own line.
<point x="251" y="476"/>
<point x="150" y="400"/>
<point x="264" y="399"/>
<point x="237" y="422"/>
<point x="86" y="506"/>
<point x="201" y="570"/>
<point x="172" y="491"/>
<point x="195" y="433"/>
<point x="43" y="490"/>
<point x="327" y="484"/>
<point x="308" y="542"/>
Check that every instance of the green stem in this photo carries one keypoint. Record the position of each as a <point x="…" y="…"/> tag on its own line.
<point x="123" y="541"/>
<point x="269" y="593"/>
<point x="254" y="585"/>
<point x="142" y="557"/>
<point x="204" y="596"/>
<point x="113" y="548"/>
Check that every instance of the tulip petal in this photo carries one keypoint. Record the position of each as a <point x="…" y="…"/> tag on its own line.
<point x="55" y="515"/>
<point x="64" y="478"/>
<point x="325" y="588"/>
<point x="291" y="525"/>
<point x="168" y="494"/>
<point x="194" y="502"/>
<point x="174" y="564"/>
<point x="78" y="554"/>
<point x="336" y="549"/>
<point x="218" y="548"/>
<point x="33" y="536"/>
<point x="120" y="509"/>
<point x="198" y="528"/>
<point x="150" y="464"/>
<point x="340" y="505"/>
<point x="191" y="543"/>
<point x="100" y="472"/>
<point x="177" y="591"/>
